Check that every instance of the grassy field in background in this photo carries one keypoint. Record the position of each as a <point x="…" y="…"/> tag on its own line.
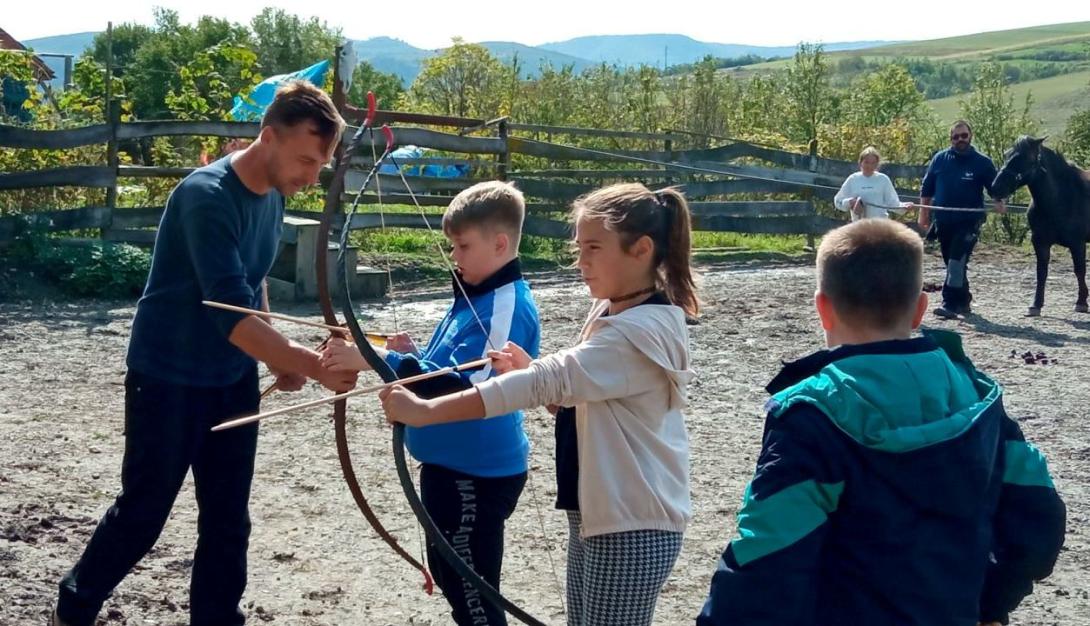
<point x="1055" y="98"/>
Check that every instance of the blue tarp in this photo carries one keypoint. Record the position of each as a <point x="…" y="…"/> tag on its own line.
<point x="253" y="107"/>
<point x="435" y="170"/>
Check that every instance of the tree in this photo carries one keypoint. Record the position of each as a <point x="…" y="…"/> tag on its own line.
<point x="550" y="99"/>
<point x="809" y="96"/>
<point x="884" y="96"/>
<point x="126" y="41"/>
<point x="286" y="43"/>
<point x="387" y="87"/>
<point x="150" y="62"/>
<point x="997" y="121"/>
<point x="708" y="99"/>
<point x="1076" y="139"/>
<point x="464" y="80"/>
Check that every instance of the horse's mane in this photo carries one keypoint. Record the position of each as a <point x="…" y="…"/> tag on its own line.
<point x="1055" y="162"/>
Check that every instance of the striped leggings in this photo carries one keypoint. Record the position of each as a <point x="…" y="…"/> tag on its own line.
<point x="615" y="579"/>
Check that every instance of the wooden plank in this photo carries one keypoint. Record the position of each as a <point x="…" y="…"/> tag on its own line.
<point x="77" y="176"/>
<point x="26" y="138"/>
<point x="537" y="226"/>
<point x="595" y="174"/>
<point x="754" y="208"/>
<point x="552" y="189"/>
<point x="703" y="189"/>
<point x="58" y="220"/>
<point x="799" y="225"/>
<point x="426" y="138"/>
<point x="398" y="198"/>
<point x="418" y="184"/>
<point x="822" y="165"/>
<point x="139" y="217"/>
<point x="142" y="171"/>
<point x="383" y="116"/>
<point x="799" y="178"/>
<point x="171" y="128"/>
<point x="366" y="161"/>
<point x="134" y="237"/>
<point x="593" y="132"/>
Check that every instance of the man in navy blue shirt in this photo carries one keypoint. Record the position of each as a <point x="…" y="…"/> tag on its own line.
<point x="957" y="177"/>
<point x="191" y="366"/>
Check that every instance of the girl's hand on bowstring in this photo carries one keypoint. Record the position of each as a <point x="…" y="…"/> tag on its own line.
<point x="405" y="407"/>
<point x="510" y="357"/>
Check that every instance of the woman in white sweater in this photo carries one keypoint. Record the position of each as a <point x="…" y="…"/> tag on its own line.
<point x="868" y="192"/>
<point x="627" y="381"/>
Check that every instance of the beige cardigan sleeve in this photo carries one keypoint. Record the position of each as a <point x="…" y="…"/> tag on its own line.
<point x="604" y="367"/>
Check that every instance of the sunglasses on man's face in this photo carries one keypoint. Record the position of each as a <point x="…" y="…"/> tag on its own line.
<point x="958" y="136"/>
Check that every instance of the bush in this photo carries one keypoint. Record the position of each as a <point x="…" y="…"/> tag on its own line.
<point x="98" y="269"/>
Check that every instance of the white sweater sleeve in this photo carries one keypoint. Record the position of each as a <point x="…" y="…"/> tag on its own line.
<point x="589" y="372"/>
<point x="845" y="195"/>
<point x="890" y="197"/>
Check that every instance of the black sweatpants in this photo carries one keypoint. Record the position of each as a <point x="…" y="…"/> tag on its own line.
<point x="471" y="512"/>
<point x="957" y="240"/>
<point x="166" y="434"/>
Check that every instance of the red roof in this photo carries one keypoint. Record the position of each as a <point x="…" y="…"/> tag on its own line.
<point x="7" y="42"/>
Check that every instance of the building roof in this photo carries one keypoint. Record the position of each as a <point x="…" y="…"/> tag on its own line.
<point x="41" y="70"/>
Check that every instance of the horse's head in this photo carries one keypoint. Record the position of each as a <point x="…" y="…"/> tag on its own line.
<point x="1021" y="164"/>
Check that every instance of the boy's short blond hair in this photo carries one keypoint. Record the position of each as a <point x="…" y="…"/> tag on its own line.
<point x="872" y="272"/>
<point x="494" y="205"/>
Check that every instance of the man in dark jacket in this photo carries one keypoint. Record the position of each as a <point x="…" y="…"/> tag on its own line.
<point x="892" y="487"/>
<point x="957" y="178"/>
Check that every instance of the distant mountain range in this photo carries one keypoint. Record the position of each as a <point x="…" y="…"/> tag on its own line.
<point x="397" y="57"/>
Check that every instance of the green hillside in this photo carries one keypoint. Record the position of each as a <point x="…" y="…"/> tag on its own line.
<point x="1051" y="62"/>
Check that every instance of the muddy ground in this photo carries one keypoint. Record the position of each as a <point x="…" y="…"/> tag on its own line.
<point x="313" y="559"/>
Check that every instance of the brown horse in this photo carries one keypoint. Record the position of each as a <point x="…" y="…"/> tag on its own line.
<point x="1059" y="212"/>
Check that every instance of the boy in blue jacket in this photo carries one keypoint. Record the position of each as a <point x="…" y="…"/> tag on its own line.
<point x="472" y="472"/>
<point x="892" y="487"/>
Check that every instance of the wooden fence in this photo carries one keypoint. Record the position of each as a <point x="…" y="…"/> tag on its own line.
<point x="708" y="176"/>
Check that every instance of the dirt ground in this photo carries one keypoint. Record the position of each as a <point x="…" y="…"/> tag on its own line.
<point x="313" y="559"/>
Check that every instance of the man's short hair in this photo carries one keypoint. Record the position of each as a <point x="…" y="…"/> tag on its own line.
<point x="965" y="123"/>
<point x="872" y="272"/>
<point x="298" y="102"/>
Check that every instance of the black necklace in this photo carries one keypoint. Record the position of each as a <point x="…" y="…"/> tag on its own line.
<point x="634" y="294"/>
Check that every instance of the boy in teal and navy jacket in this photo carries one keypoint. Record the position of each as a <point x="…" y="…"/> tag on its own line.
<point x="892" y="487"/>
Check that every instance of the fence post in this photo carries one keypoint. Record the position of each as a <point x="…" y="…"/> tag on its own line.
<point x="113" y="119"/>
<point x="808" y="194"/>
<point x="668" y="147"/>
<point x="503" y="161"/>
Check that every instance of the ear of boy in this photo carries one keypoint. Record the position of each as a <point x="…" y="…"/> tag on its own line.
<point x="839" y="330"/>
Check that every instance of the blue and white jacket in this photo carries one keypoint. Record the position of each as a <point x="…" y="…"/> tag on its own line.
<point x="492" y="447"/>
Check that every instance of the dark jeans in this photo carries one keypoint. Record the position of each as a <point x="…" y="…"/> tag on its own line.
<point x="957" y="241"/>
<point x="166" y="434"/>
<point x="471" y="512"/>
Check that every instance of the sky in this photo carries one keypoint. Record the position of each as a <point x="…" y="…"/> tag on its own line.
<point x="432" y="23"/>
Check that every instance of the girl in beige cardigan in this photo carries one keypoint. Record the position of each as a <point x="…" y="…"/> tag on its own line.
<point x="624" y="387"/>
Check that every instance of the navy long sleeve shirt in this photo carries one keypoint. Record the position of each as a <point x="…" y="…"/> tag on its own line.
<point x="217" y="241"/>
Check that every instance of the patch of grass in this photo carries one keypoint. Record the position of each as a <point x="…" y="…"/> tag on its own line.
<point x="984" y="44"/>
<point x="1055" y="99"/>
